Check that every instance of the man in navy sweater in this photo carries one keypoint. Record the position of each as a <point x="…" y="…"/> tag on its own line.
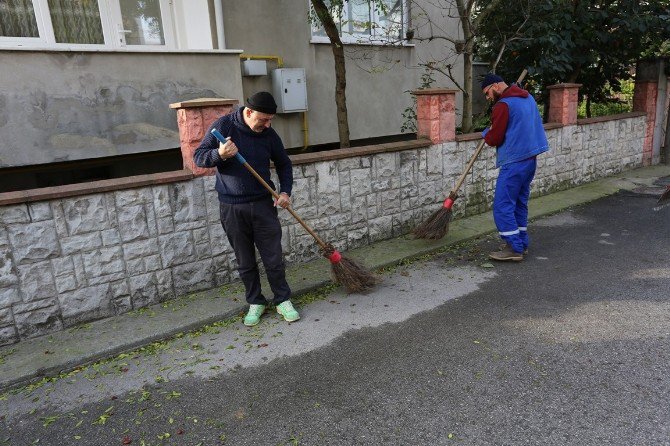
<point x="518" y="135"/>
<point x="248" y="213"/>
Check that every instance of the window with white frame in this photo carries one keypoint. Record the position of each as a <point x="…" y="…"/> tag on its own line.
<point x="365" y="21"/>
<point x="86" y="23"/>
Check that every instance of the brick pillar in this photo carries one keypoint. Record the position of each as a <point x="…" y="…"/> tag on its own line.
<point x="436" y="114"/>
<point x="563" y="103"/>
<point x="644" y="100"/>
<point x="194" y="118"/>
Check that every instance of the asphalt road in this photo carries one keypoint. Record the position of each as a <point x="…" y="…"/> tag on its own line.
<point x="569" y="347"/>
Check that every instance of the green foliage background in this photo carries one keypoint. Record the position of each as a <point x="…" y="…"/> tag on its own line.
<point x="595" y="43"/>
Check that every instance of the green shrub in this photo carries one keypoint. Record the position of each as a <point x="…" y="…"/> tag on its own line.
<point x="620" y="102"/>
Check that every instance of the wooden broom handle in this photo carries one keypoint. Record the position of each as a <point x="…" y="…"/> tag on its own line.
<point x="260" y="179"/>
<point x="478" y="150"/>
<point x="276" y="196"/>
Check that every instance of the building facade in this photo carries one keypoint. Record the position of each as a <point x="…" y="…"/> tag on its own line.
<point x="92" y="79"/>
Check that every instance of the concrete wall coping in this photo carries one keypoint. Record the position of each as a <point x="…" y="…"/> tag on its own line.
<point x="552" y="125"/>
<point x="306" y="158"/>
<point x="566" y="85"/>
<point x="610" y="117"/>
<point x="93" y="187"/>
<point x="555" y="125"/>
<point x="427" y="91"/>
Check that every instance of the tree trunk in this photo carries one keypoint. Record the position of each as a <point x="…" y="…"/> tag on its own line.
<point x="341" y="95"/>
<point x="466" y="122"/>
<point x="329" y="26"/>
<point x="470" y="26"/>
<point x="574" y="75"/>
<point x="468" y="34"/>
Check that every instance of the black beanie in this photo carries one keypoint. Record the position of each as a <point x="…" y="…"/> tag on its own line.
<point x="491" y="78"/>
<point x="262" y="102"/>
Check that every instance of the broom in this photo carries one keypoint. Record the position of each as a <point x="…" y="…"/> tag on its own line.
<point x="663" y="200"/>
<point x="347" y="272"/>
<point x="437" y="225"/>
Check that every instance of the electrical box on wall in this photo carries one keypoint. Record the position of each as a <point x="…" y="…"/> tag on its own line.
<point x="254" y="68"/>
<point x="289" y="89"/>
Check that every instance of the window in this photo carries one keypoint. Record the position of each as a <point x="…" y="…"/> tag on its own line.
<point x="76" y="21"/>
<point x="17" y="19"/>
<point x="142" y="24"/>
<point x="366" y="21"/>
<point x="109" y="23"/>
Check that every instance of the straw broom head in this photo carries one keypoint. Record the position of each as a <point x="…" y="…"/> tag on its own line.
<point x="353" y="276"/>
<point x="436" y="226"/>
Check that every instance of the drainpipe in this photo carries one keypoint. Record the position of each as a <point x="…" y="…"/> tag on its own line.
<point x="305" y="132"/>
<point x="218" y="14"/>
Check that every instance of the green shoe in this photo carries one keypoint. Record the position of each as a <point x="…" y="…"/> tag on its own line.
<point x="254" y="314"/>
<point x="286" y="309"/>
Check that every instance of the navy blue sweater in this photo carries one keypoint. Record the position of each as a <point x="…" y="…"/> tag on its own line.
<point x="234" y="183"/>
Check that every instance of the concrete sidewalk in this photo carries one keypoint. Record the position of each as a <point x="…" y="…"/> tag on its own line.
<point x="48" y="355"/>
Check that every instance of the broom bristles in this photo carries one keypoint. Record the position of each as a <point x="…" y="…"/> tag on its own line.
<point x="353" y="276"/>
<point x="436" y="226"/>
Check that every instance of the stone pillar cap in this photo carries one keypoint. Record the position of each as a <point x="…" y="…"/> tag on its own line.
<point x="204" y="102"/>
<point x="564" y="86"/>
<point x="434" y="91"/>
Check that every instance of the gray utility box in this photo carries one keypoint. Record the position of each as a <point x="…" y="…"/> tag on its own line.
<point x="254" y="68"/>
<point x="289" y="89"/>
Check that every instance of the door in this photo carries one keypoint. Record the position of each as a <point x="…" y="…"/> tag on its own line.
<point x="143" y="23"/>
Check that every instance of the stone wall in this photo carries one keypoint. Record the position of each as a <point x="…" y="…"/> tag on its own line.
<point x="356" y="201"/>
<point x="68" y="260"/>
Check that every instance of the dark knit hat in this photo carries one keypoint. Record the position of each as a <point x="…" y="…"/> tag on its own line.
<point x="262" y="102"/>
<point x="491" y="79"/>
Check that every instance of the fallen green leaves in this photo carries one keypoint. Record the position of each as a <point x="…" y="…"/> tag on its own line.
<point x="46" y="421"/>
<point x="102" y="419"/>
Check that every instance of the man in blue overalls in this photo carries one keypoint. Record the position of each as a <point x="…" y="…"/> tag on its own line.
<point x="518" y="135"/>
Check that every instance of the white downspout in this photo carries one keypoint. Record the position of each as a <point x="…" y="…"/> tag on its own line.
<point x="218" y="15"/>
